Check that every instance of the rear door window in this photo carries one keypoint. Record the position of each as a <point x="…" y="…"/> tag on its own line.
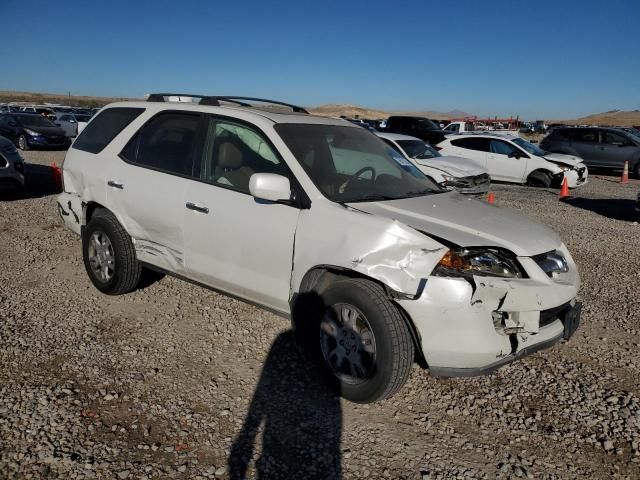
<point x="104" y="128"/>
<point x="168" y="142"/>
<point x="587" y="136"/>
<point x="471" y="143"/>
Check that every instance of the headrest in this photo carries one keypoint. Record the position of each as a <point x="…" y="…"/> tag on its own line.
<point x="229" y="156"/>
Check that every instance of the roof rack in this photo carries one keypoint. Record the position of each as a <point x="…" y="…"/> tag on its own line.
<point x="214" y="100"/>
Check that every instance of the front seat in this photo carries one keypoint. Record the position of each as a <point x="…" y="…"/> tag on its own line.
<point x="230" y="168"/>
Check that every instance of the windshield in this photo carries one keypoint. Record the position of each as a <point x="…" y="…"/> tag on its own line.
<point x="348" y="164"/>
<point x="34" y="121"/>
<point x="426" y="124"/>
<point x="418" y="149"/>
<point x="529" y="147"/>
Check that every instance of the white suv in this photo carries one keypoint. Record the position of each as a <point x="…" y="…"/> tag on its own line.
<point x="313" y="218"/>
<point x="509" y="158"/>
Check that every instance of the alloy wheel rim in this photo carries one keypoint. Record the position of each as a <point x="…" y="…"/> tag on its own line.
<point x="101" y="256"/>
<point x="347" y="342"/>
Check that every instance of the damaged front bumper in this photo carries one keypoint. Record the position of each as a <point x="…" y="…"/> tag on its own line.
<point x="474" y="185"/>
<point x="472" y="327"/>
<point x="575" y="177"/>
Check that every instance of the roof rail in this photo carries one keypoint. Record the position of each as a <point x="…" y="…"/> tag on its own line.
<point x="214" y="100"/>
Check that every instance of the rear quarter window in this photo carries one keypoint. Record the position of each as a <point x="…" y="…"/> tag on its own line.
<point x="104" y="128"/>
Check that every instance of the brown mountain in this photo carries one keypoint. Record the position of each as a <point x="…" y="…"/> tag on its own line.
<point x="612" y="117"/>
<point x="336" y="110"/>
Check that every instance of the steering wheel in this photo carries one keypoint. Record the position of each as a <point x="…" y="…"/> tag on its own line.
<point x="344" y="186"/>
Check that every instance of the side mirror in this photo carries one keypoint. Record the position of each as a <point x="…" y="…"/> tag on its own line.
<point x="515" y="154"/>
<point x="270" y="186"/>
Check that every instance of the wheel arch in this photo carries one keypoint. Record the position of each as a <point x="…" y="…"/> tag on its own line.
<point x="320" y="277"/>
<point x="544" y="170"/>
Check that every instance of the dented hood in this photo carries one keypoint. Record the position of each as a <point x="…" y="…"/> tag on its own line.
<point x="467" y="222"/>
<point x="570" y="160"/>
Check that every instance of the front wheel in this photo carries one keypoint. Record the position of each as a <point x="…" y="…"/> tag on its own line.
<point x="23" y="143"/>
<point x="359" y="337"/>
<point x="109" y="256"/>
<point x="539" y="179"/>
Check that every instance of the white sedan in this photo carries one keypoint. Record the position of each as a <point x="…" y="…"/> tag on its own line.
<point x="461" y="174"/>
<point x="509" y="158"/>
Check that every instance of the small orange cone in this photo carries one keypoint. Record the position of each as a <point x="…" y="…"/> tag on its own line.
<point x="491" y="198"/>
<point x="625" y="172"/>
<point x="564" y="190"/>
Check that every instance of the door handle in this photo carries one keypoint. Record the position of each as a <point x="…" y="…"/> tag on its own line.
<point x="115" y="184"/>
<point x="197" y="208"/>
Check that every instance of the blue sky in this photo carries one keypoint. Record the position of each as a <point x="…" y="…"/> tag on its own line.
<point x="538" y="59"/>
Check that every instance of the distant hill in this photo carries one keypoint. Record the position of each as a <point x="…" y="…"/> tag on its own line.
<point x="336" y="110"/>
<point x="458" y="114"/>
<point x="612" y="117"/>
<point x="61" y="98"/>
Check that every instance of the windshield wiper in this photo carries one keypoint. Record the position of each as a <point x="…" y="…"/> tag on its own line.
<point x="371" y="196"/>
<point x="419" y="193"/>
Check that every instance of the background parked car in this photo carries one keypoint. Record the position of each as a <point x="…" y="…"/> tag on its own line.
<point x="11" y="166"/>
<point x="509" y="158"/>
<point x="461" y="174"/>
<point x="71" y="123"/>
<point x="30" y="130"/>
<point x="420" y="127"/>
<point x="599" y="147"/>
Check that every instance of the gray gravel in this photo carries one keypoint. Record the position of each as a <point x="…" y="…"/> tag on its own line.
<point x="174" y="381"/>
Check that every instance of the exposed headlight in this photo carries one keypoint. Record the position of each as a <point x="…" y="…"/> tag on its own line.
<point x="32" y="133"/>
<point x="448" y="178"/>
<point x="467" y="262"/>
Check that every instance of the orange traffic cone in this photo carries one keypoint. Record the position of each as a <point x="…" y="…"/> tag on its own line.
<point x="491" y="198"/>
<point x="625" y="172"/>
<point x="564" y="190"/>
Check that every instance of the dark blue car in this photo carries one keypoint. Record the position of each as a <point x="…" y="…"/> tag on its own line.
<point x="31" y="130"/>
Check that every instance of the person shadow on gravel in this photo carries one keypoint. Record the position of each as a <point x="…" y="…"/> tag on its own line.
<point x="300" y="418"/>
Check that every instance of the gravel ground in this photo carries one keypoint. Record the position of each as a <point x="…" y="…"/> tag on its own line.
<point x="174" y="381"/>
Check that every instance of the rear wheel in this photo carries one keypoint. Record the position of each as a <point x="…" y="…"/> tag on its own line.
<point x="539" y="178"/>
<point x="23" y="143"/>
<point x="359" y="337"/>
<point x="109" y="255"/>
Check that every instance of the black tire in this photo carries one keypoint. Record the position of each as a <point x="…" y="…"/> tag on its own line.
<point x="127" y="269"/>
<point x="539" y="178"/>
<point x="394" y="349"/>
<point x="636" y="170"/>
<point x="23" y="143"/>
